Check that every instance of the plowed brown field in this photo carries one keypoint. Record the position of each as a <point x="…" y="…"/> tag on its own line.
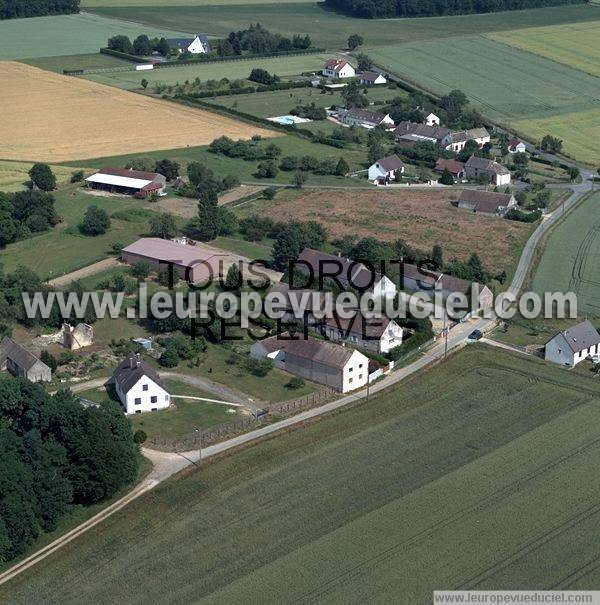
<point x="54" y="118"/>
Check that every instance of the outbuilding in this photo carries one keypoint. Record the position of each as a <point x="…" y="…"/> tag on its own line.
<point x="21" y="363"/>
<point x="128" y="182"/>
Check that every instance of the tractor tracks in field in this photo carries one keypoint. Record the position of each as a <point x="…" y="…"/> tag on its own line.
<point x="487" y="501"/>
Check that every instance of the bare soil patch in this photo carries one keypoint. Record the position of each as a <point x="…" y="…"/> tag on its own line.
<point x="54" y="118"/>
<point x="421" y="218"/>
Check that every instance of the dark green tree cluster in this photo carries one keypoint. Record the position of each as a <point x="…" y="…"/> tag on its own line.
<point x="95" y="221"/>
<point x="551" y="144"/>
<point x="55" y="453"/>
<point x="17" y="9"/>
<point x="378" y="9"/>
<point x="262" y="76"/>
<point x="256" y="39"/>
<point x="311" y="111"/>
<point x="25" y="212"/>
<point x="141" y="46"/>
<point x="247" y="150"/>
<point x="309" y="163"/>
<point x="293" y="238"/>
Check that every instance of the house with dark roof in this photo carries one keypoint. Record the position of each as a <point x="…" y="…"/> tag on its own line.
<point x="572" y="346"/>
<point x="371" y="77"/>
<point x="459" y="139"/>
<point x="197" y="45"/>
<point x="338" y="367"/>
<point x="21" y="363"/>
<point x="385" y="170"/>
<point x="516" y="146"/>
<point x="125" y="181"/>
<point x="486" y="202"/>
<point x="139" y="387"/>
<point x="378" y="334"/>
<point x="423" y="279"/>
<point x="483" y="168"/>
<point x="365" y="118"/>
<point x="412" y="132"/>
<point x="338" y="68"/>
<point x="348" y="274"/>
<point x="454" y="167"/>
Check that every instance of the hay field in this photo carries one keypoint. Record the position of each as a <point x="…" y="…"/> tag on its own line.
<point x="421" y="218"/>
<point x="575" y="44"/>
<point x="54" y="118"/>
<point x="489" y="482"/>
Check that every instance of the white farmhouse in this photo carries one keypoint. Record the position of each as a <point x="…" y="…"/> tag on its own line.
<point x="365" y="118"/>
<point x="482" y="168"/>
<point x="459" y="139"/>
<point x="198" y="45"/>
<point x="573" y="345"/>
<point x="139" y="387"/>
<point x="516" y="146"/>
<point x="432" y="120"/>
<point x="385" y="169"/>
<point x="338" y="367"/>
<point x="338" y="68"/>
<point x="371" y="77"/>
<point x="378" y="334"/>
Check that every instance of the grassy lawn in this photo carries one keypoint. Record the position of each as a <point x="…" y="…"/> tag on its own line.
<point x="13" y="175"/>
<point x="64" y="248"/>
<point x="84" y="61"/>
<point x="216" y="366"/>
<point x="280" y="102"/>
<point x="500" y="464"/>
<point x="282" y="66"/>
<point x="331" y="30"/>
<point x="570" y="262"/>
<point x="222" y="165"/>
<point x="67" y="35"/>
<point x="574" y="44"/>
<point x="254" y="250"/>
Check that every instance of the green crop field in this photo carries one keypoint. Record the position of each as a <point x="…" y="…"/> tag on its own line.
<point x="107" y="3"/>
<point x="490" y="482"/>
<point x="575" y="44"/>
<point x="14" y="175"/>
<point x="571" y="259"/>
<point x="282" y="66"/>
<point x="504" y="82"/>
<point x="331" y="30"/>
<point x="66" y="35"/>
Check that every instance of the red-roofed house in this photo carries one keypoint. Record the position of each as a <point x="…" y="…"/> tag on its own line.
<point x="338" y="68"/>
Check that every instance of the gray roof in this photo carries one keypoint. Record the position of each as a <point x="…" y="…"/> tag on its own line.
<point x="359" y="324"/>
<point x="484" y="201"/>
<point x="582" y="336"/>
<point x="131" y="370"/>
<point x="486" y="164"/>
<point x="370" y="76"/>
<point x="365" y="115"/>
<point x="428" y="280"/>
<point x="185" y="42"/>
<point x="469" y="135"/>
<point x="21" y="357"/>
<point x="349" y="272"/>
<point x="421" y="130"/>
<point x="314" y="303"/>
<point x="319" y="351"/>
<point x="391" y="162"/>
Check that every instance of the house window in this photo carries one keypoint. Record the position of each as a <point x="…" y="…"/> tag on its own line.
<point x="145" y="387"/>
<point x="138" y="401"/>
<point x="166" y="398"/>
<point x="350" y="369"/>
<point x="360" y="376"/>
<point x="153" y="399"/>
<point x="349" y="379"/>
<point x="155" y="409"/>
<point x="138" y="411"/>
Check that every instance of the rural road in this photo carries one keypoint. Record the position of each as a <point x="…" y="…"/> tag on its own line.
<point x="103" y="265"/>
<point x="168" y="464"/>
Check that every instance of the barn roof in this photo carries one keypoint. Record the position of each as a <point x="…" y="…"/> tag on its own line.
<point x="359" y="324"/>
<point x="122" y="177"/>
<point x="168" y="251"/>
<point x="486" y="164"/>
<point x="484" y="201"/>
<point x="21" y="357"/>
<point x="452" y="166"/>
<point x="319" y="351"/>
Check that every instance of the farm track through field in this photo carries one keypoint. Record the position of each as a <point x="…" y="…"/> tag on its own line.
<point x="487" y="501"/>
<point x="581" y="259"/>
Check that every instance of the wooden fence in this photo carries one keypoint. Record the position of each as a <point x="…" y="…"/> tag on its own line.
<point x="202" y="438"/>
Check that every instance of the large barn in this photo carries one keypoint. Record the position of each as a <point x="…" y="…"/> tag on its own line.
<point x="128" y="182"/>
<point x="193" y="263"/>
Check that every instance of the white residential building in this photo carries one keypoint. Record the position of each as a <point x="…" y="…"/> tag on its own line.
<point x="198" y="45"/>
<point x="516" y="146"/>
<point x="365" y="118"/>
<point x="432" y="120"/>
<point x="459" y="139"/>
<point x="338" y="68"/>
<point x="371" y="77"/>
<point x="573" y="345"/>
<point x="385" y="169"/>
<point x="483" y="168"/>
<point x="338" y="367"/>
<point x="139" y="387"/>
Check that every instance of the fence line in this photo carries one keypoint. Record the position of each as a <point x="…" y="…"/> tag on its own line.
<point x="201" y="438"/>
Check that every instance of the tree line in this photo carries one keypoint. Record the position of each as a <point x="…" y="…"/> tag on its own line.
<point x="377" y="9"/>
<point x="16" y="9"/>
<point x="55" y="455"/>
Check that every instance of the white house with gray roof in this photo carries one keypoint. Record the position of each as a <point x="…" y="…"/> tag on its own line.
<point x="198" y="45"/>
<point x="385" y="169"/>
<point x="139" y="387"/>
<point x="483" y="168"/>
<point x="21" y="363"/>
<point x="338" y="367"/>
<point x="571" y="346"/>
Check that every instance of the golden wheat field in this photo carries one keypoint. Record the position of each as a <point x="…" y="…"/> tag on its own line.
<point x="54" y="118"/>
